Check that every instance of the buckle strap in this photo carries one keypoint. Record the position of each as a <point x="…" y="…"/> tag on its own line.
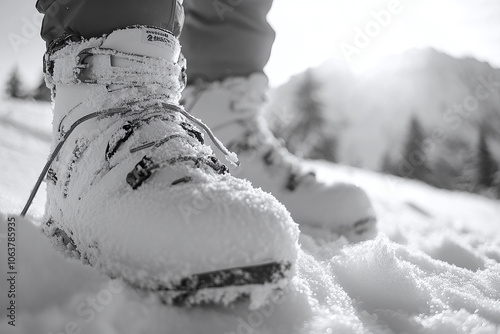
<point x="58" y="148"/>
<point x="54" y="46"/>
<point x="143" y="170"/>
<point x="93" y="64"/>
<point x="147" y="66"/>
<point x="147" y="166"/>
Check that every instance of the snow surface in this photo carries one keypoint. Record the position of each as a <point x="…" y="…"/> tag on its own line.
<point x="434" y="268"/>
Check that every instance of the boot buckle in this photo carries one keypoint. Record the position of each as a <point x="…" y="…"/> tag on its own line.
<point x="81" y="70"/>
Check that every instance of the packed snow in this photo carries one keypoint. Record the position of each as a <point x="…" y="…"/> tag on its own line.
<point x="433" y="268"/>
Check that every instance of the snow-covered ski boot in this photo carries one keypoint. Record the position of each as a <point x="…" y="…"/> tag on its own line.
<point x="233" y="109"/>
<point x="134" y="192"/>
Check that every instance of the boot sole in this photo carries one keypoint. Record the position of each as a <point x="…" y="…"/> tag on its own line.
<point x="223" y="286"/>
<point x="227" y="286"/>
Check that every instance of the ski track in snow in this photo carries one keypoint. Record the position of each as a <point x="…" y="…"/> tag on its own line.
<point x="434" y="268"/>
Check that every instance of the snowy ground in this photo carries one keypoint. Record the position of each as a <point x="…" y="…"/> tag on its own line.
<point x="434" y="268"/>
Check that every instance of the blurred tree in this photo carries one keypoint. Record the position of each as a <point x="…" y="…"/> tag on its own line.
<point x="467" y="179"/>
<point x="414" y="164"/>
<point x="388" y="165"/>
<point x="309" y="133"/>
<point x="42" y="93"/>
<point x="13" y="85"/>
<point x="486" y="165"/>
<point x="444" y="174"/>
<point x="497" y="185"/>
<point x="326" y="149"/>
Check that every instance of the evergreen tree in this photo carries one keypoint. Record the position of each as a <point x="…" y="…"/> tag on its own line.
<point x="387" y="164"/>
<point x="467" y="179"/>
<point x="13" y="85"/>
<point x="42" y="93"/>
<point x="308" y="127"/>
<point x="326" y="149"/>
<point x="486" y="165"/>
<point x="497" y="185"/>
<point x="414" y="164"/>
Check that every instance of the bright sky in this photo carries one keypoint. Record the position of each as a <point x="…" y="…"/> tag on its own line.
<point x="308" y="35"/>
<point x="310" y="32"/>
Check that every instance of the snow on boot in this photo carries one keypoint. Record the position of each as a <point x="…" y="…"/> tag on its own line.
<point x="233" y="110"/>
<point x="134" y="192"/>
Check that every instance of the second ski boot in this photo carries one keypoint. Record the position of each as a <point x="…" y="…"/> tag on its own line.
<point x="133" y="190"/>
<point x="233" y="109"/>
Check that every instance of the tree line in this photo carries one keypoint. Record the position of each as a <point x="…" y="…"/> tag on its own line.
<point x="475" y="169"/>
<point x="454" y="162"/>
<point x="14" y="88"/>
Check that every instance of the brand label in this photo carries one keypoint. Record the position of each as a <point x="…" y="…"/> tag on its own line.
<point x="157" y="37"/>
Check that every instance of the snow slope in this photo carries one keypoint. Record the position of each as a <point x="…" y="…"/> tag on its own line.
<point x="434" y="268"/>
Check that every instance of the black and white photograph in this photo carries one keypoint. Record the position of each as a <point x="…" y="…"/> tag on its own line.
<point x="250" y="167"/>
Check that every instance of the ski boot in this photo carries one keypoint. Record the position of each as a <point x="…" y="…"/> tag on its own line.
<point x="133" y="190"/>
<point x="233" y="110"/>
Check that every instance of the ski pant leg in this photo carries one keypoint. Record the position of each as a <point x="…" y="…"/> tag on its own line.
<point x="223" y="38"/>
<point x="93" y="18"/>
